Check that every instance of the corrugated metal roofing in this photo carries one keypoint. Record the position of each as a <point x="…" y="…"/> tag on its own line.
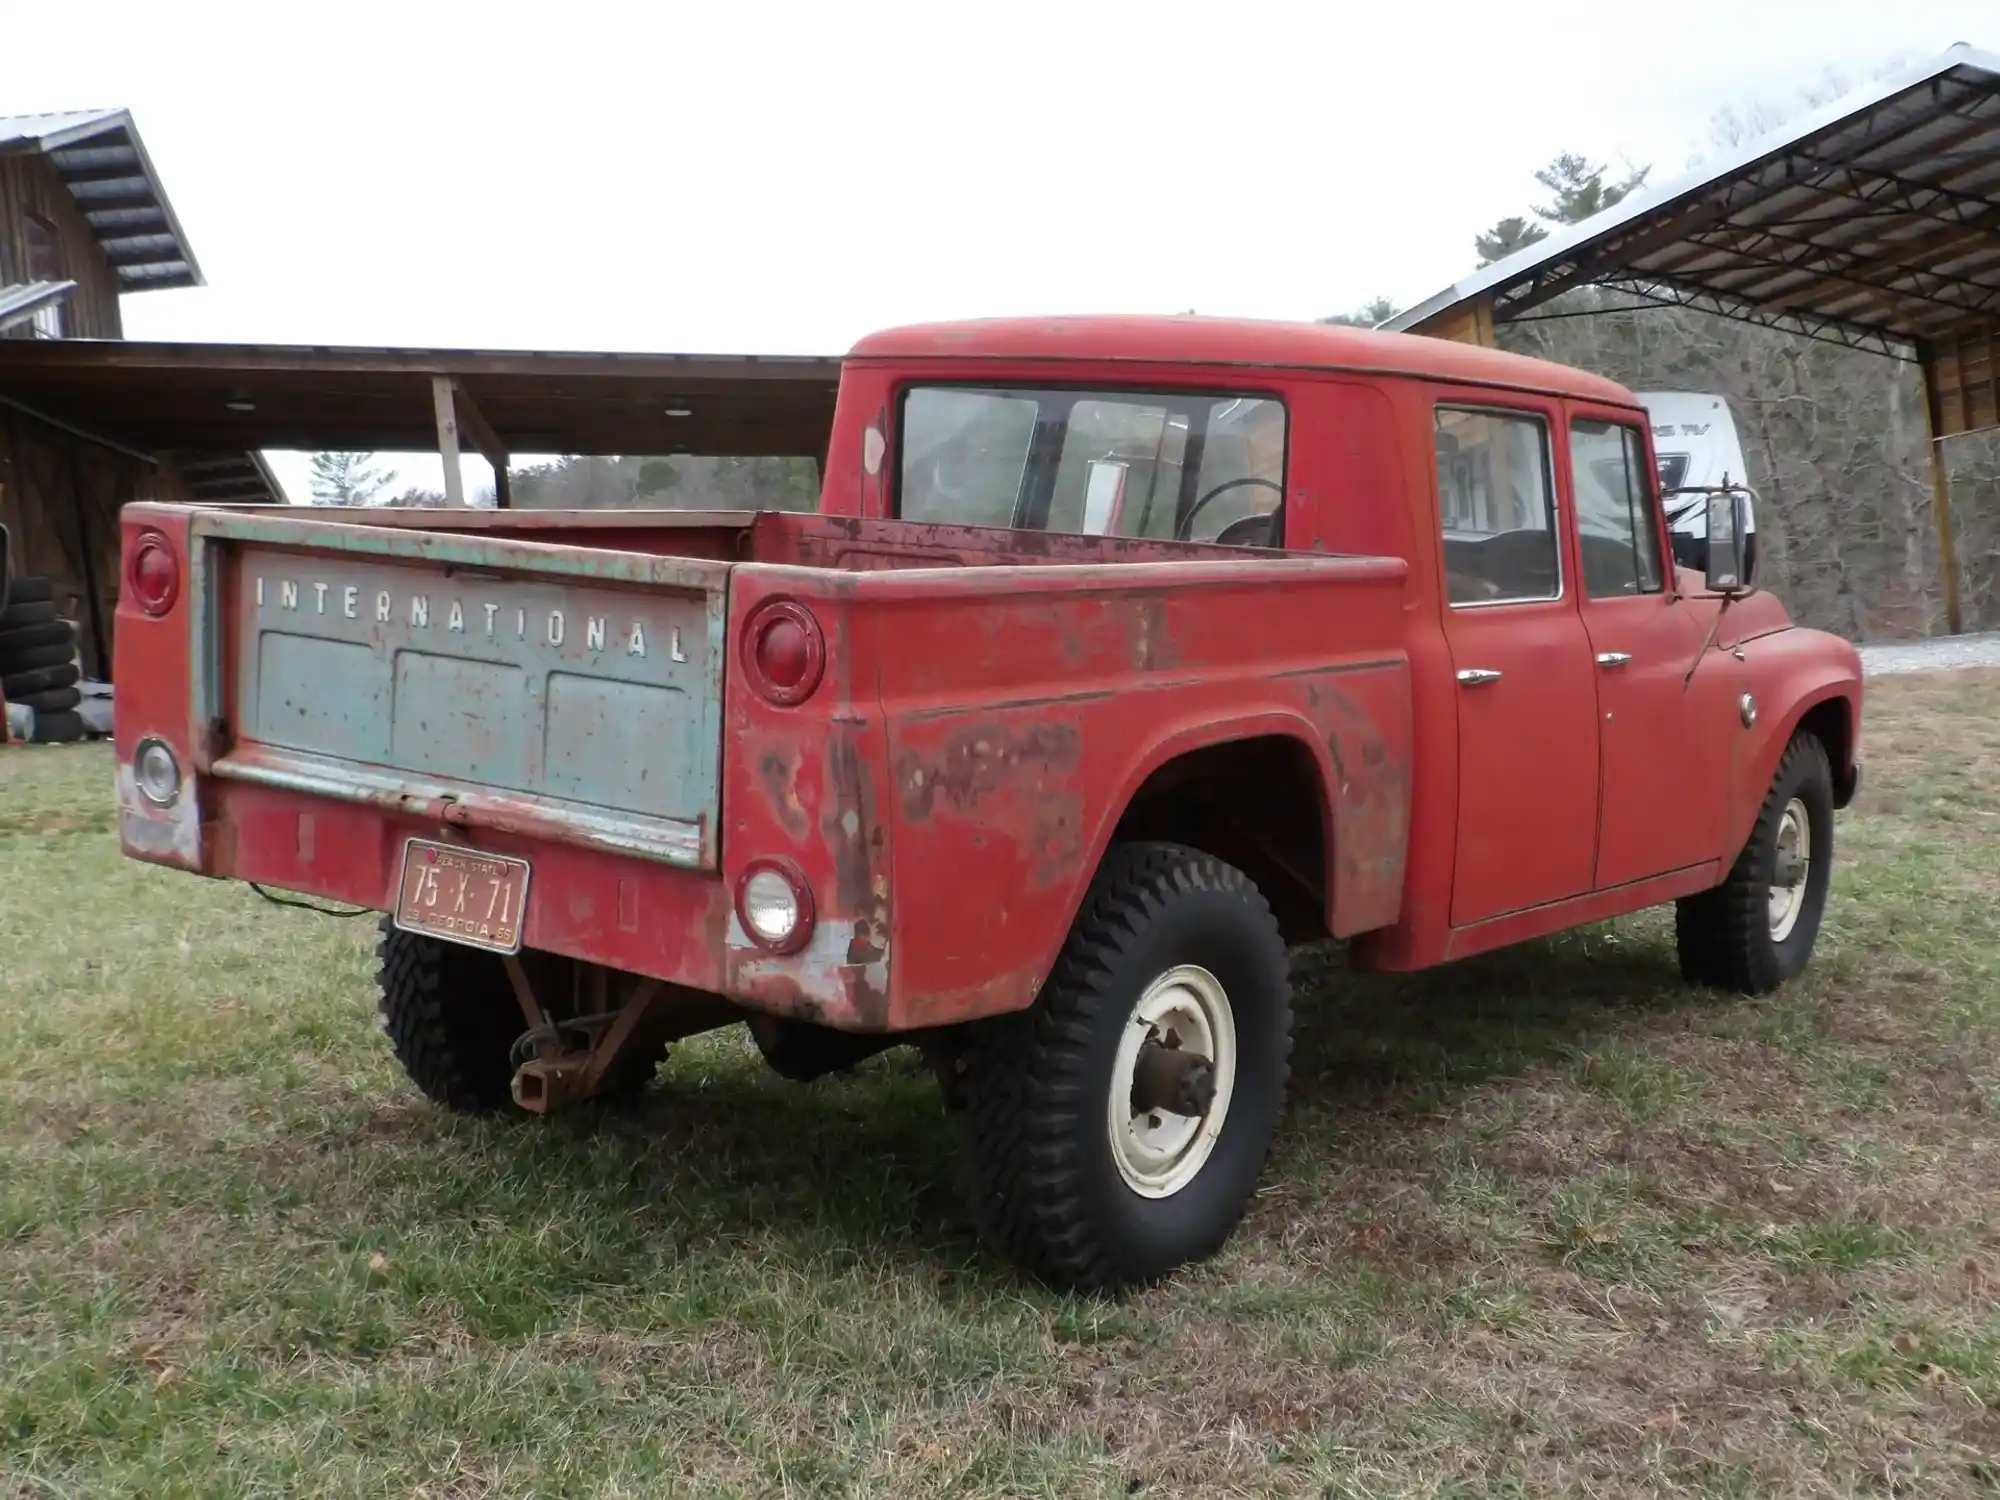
<point x="1873" y="221"/>
<point x="229" y="478"/>
<point x="104" y="165"/>
<point x="20" y="303"/>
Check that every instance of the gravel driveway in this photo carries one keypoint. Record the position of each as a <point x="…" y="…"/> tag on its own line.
<point x="1932" y="655"/>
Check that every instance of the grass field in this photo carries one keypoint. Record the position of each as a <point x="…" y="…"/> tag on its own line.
<point x="1542" y="1224"/>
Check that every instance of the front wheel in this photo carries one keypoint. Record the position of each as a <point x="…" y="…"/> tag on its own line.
<point x="1757" y="929"/>
<point x="1116" y="1129"/>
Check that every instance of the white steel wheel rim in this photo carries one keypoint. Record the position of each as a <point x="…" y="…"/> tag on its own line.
<point x="1158" y="1153"/>
<point x="1791" y="870"/>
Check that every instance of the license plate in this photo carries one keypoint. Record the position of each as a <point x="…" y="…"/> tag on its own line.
<point x="463" y="894"/>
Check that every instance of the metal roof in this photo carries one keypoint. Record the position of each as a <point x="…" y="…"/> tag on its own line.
<point x="1874" y="221"/>
<point x="103" y="163"/>
<point x="229" y="478"/>
<point x="20" y="303"/>
<point x="219" y="398"/>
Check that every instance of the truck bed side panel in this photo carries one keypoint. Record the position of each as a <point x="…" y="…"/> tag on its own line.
<point x="1015" y="715"/>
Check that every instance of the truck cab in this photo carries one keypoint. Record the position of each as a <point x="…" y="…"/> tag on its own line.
<point x="1122" y="654"/>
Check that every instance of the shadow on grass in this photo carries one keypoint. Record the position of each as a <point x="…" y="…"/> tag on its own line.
<point x="862" y="1169"/>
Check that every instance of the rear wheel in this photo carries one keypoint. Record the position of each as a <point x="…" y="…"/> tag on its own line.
<point x="1116" y="1129"/>
<point x="451" y="1017"/>
<point x="1757" y="929"/>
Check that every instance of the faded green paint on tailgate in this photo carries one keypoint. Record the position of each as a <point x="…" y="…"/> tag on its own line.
<point x="570" y="692"/>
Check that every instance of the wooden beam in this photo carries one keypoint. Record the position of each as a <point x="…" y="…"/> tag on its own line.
<point x="472" y="422"/>
<point x="447" y="426"/>
<point x="1940" y="492"/>
<point x="1464" y="323"/>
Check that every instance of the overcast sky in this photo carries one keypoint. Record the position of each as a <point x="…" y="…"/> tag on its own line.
<point x="736" y="177"/>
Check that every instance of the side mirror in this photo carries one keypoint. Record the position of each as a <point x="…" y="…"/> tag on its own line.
<point x="1104" y="496"/>
<point x="1728" y="572"/>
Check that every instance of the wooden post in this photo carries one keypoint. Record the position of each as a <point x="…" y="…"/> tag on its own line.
<point x="447" y="423"/>
<point x="472" y="422"/>
<point x="1940" y="494"/>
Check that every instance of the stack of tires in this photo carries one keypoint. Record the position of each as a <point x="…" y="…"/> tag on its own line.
<point x="38" y="661"/>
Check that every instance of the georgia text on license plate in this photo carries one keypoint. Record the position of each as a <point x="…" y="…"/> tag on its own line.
<point x="463" y="894"/>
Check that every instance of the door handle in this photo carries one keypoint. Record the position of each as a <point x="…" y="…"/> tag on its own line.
<point x="1477" y="676"/>
<point x="1613" y="658"/>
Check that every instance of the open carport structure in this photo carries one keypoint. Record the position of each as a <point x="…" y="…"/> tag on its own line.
<point x="1872" y="223"/>
<point x="185" y="421"/>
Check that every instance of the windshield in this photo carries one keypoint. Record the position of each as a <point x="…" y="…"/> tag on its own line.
<point x="1200" y="467"/>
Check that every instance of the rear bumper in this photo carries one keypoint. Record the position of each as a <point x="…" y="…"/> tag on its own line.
<point x="624" y="911"/>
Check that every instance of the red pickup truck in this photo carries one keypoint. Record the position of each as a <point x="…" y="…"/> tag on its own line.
<point x="1122" y="655"/>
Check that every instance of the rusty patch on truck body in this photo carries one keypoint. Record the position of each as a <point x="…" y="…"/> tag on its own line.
<point x="1371" y="795"/>
<point x="979" y="761"/>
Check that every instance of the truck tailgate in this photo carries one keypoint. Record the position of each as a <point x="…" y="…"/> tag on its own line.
<point x="569" y="693"/>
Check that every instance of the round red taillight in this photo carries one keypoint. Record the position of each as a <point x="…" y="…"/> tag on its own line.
<point x="154" y="573"/>
<point x="785" y="651"/>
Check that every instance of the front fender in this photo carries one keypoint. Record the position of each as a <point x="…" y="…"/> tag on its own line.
<point x="1794" y="676"/>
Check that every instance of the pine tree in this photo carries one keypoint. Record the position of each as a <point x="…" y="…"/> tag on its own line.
<point x="347" y="479"/>
<point x="1504" y="238"/>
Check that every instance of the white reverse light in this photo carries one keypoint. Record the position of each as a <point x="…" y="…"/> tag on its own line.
<point x="157" y="773"/>
<point x="770" y="906"/>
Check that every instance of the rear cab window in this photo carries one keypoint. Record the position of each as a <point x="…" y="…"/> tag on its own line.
<point x="1168" y="465"/>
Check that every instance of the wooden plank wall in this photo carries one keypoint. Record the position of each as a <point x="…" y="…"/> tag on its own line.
<point x="1466" y="323"/>
<point x="29" y="184"/>
<point x="1963" y="376"/>
<point x="60" y="498"/>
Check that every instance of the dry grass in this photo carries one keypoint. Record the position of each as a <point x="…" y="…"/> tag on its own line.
<point x="1542" y="1224"/>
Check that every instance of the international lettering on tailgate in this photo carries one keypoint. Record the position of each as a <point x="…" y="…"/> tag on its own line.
<point x="463" y="894"/>
<point x="550" y="627"/>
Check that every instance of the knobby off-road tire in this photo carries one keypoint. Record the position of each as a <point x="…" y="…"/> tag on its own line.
<point x="55" y="700"/>
<point x="451" y="1017"/>
<point x="30" y="590"/>
<point x="17" y="614"/>
<point x="1743" y="935"/>
<point x="22" y="639"/>
<point x="18" y="686"/>
<point x="38" y="658"/>
<point x="64" y="727"/>
<point x="1033" y="1091"/>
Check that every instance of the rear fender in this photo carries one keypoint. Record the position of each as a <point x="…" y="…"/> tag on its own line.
<point x="1358" y="741"/>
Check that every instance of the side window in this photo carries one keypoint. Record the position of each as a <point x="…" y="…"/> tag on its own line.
<point x="1615" y="524"/>
<point x="1496" y="506"/>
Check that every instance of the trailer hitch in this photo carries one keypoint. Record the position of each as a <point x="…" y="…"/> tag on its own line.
<point x="561" y="1061"/>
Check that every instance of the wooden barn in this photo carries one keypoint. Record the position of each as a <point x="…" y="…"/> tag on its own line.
<point x="84" y="221"/>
